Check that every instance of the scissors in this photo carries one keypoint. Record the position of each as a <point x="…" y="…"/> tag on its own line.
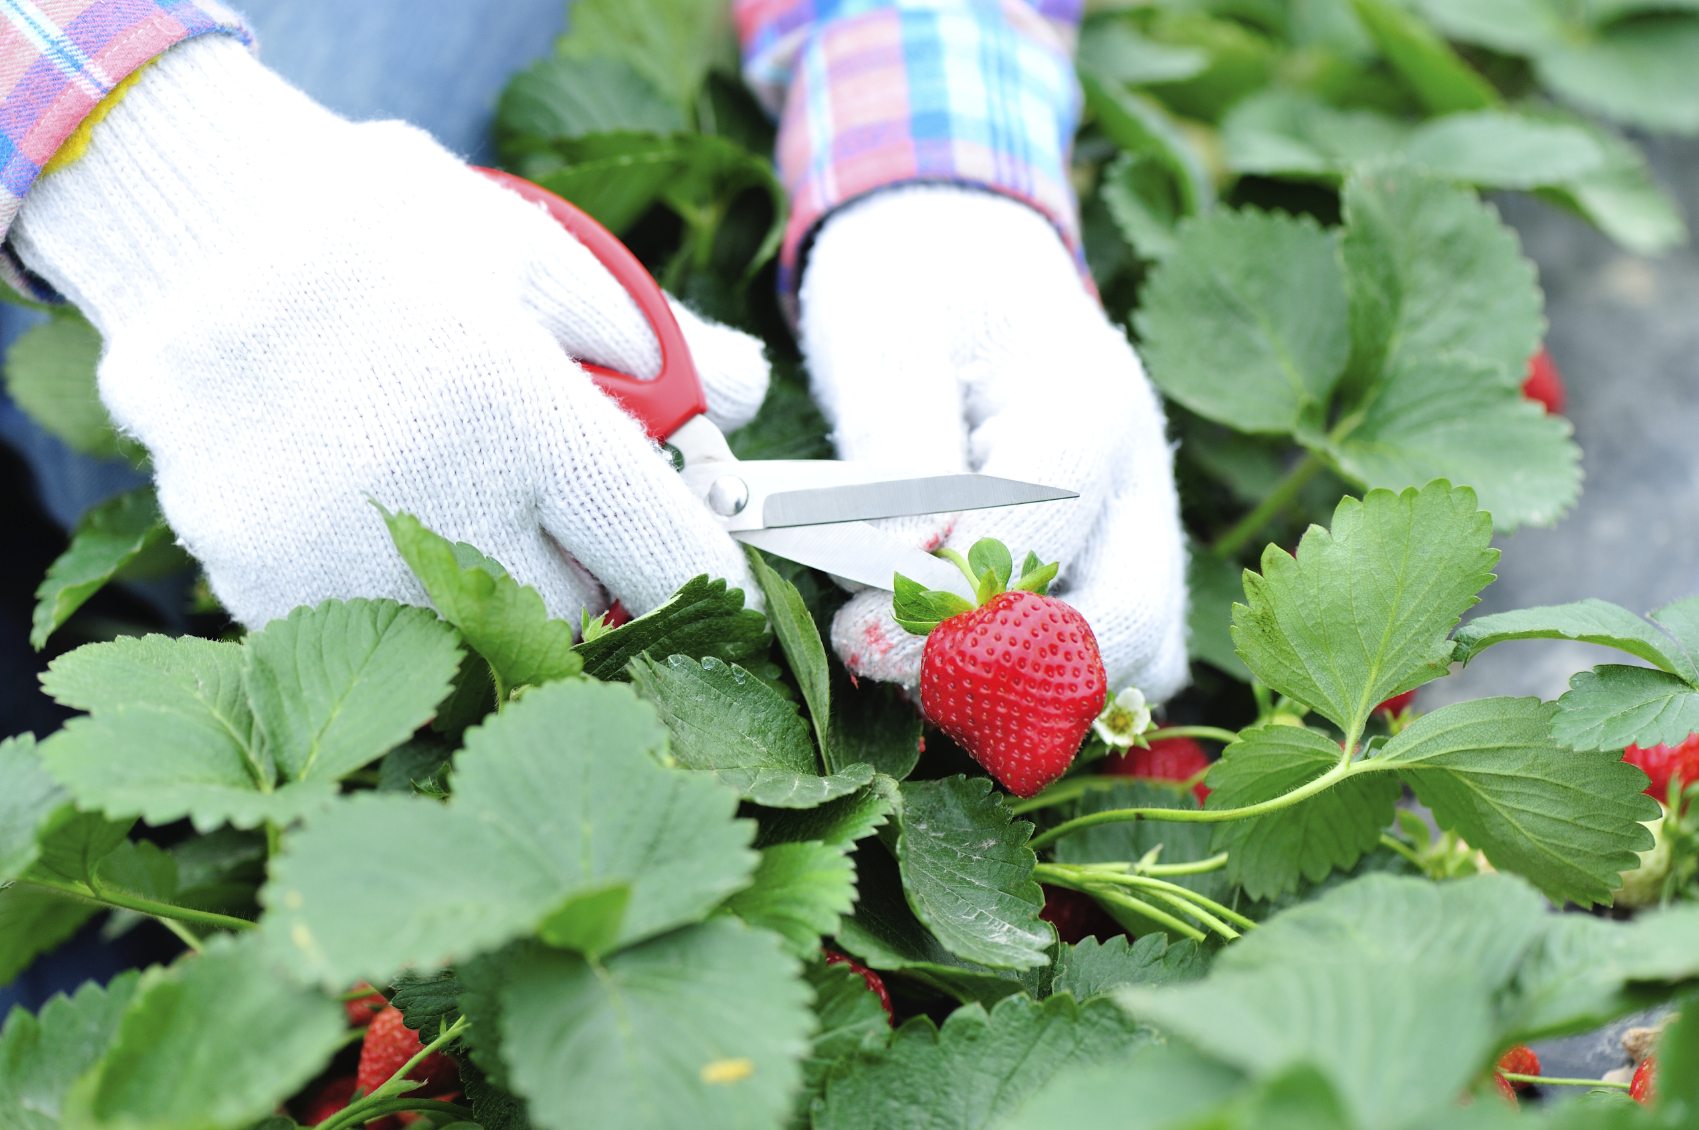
<point x="811" y="511"/>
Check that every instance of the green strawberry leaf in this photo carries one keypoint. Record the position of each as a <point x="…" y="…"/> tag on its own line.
<point x="799" y="892"/>
<point x="336" y="686"/>
<point x="1139" y="194"/>
<point x="1092" y="968"/>
<point x="502" y="620"/>
<point x="988" y="555"/>
<point x="1246" y="322"/>
<point x="706" y="1026"/>
<point x="1636" y="71"/>
<point x="884" y="934"/>
<point x="209" y="1043"/>
<point x="42" y="1055"/>
<point x="1612" y="706"/>
<point x="1269" y="855"/>
<point x="1288" y="133"/>
<point x="1515" y="27"/>
<point x="1585" y="972"/>
<point x="1364" y="610"/>
<point x="111" y="537"/>
<point x="1504" y="149"/>
<point x="429" y="1002"/>
<point x="1589" y="621"/>
<point x="841" y="821"/>
<point x="1212" y="588"/>
<point x="967" y="872"/>
<point x="704" y="618"/>
<point x="1441" y="81"/>
<point x="1568" y="822"/>
<point x="31" y="802"/>
<point x="561" y="794"/>
<point x="1622" y="198"/>
<point x="874" y="724"/>
<point x="171" y="736"/>
<point x="1140" y="125"/>
<point x="725" y="721"/>
<point x="50" y="374"/>
<point x="937" y="1076"/>
<point x="33" y="922"/>
<point x="556" y="99"/>
<point x="672" y="43"/>
<point x="588" y="921"/>
<point x="1431" y="270"/>
<point x="1452" y="417"/>
<point x="850" y="1019"/>
<point x="1359" y="1022"/>
<point x="804" y="651"/>
<point x="1161" y="1086"/>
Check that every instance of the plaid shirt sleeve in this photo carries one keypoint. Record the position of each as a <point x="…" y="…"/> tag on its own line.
<point x="59" y="59"/>
<point x="872" y="93"/>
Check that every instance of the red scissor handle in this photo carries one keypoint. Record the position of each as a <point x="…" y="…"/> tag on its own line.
<point x="664" y="404"/>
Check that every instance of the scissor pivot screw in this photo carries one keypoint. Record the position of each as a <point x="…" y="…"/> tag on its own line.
<point x="728" y="496"/>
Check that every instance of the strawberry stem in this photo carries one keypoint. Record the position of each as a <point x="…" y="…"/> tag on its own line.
<point x="1560" y="1081"/>
<point x="1284" y="494"/>
<point x="955" y="558"/>
<point x="1120" y="898"/>
<point x="159" y="910"/>
<point x="389" y="1096"/>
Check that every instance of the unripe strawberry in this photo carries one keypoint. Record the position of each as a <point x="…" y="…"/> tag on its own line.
<point x="1643" y="884"/>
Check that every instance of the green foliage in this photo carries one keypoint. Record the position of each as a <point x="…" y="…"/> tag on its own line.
<point x="705" y="1026"/>
<point x="1091" y="968"/>
<point x="704" y="618"/>
<point x="111" y="538"/>
<point x="938" y="1076"/>
<point x="967" y="872"/>
<point x="42" y="1056"/>
<point x="499" y="618"/>
<point x="561" y="794"/>
<point x="799" y="891"/>
<point x="50" y="374"/>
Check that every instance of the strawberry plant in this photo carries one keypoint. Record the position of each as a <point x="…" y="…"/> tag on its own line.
<point x="684" y="871"/>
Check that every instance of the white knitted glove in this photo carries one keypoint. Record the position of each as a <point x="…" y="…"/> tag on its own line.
<point x="947" y="329"/>
<point x="303" y="315"/>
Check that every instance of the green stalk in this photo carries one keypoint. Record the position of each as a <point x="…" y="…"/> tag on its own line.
<point x="159" y="910"/>
<point x="1199" y="815"/>
<point x="1208" y="733"/>
<point x="1561" y="1081"/>
<point x="1196" y="867"/>
<point x="1393" y="843"/>
<point x="1271" y="507"/>
<point x="1119" y="898"/>
<point x="1198" y="912"/>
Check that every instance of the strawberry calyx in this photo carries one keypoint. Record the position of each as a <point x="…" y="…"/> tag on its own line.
<point x="990" y="569"/>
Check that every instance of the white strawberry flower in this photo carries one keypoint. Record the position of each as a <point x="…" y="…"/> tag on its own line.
<point x="1124" y="720"/>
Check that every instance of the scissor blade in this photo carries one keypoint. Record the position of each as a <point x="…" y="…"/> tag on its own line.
<point x="857" y="552"/>
<point x="933" y="494"/>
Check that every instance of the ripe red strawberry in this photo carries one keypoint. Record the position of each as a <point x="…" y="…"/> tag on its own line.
<point x="390" y="1043"/>
<point x="1016" y="681"/>
<point x="1543" y="382"/>
<point x="1396" y="705"/>
<point x="332" y="1098"/>
<point x="1664" y="762"/>
<point x="1167" y="759"/>
<point x="1519" y="1060"/>
<point x="874" y="981"/>
<point x="1505" y="1089"/>
<point x="1077" y="916"/>
<point x="361" y="1009"/>
<point x="1642" y="1088"/>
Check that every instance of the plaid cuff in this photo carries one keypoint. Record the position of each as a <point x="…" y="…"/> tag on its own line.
<point x="58" y="60"/>
<point x="980" y="93"/>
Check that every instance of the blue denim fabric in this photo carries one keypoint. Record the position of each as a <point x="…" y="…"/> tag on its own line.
<point x="440" y="64"/>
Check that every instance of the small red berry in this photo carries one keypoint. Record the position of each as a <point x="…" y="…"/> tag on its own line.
<point x="1396" y="705"/>
<point x="1167" y="759"/>
<point x="390" y="1043"/>
<point x="332" y="1098"/>
<point x="1505" y="1089"/>
<point x="1519" y="1060"/>
<point x="874" y="981"/>
<point x="1662" y="763"/>
<point x="1017" y="682"/>
<point x="1543" y="382"/>
<point x="1077" y="916"/>
<point x="1642" y="1087"/>
<point x="361" y="1009"/>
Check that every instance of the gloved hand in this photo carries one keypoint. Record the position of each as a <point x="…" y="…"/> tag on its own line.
<point x="947" y="329"/>
<point x="303" y="315"/>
